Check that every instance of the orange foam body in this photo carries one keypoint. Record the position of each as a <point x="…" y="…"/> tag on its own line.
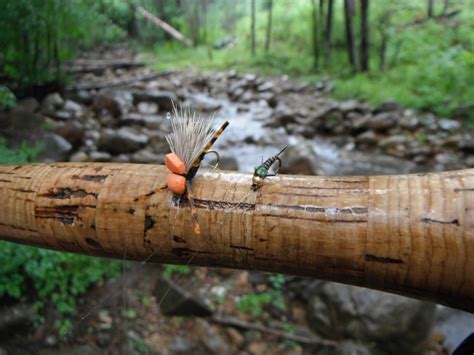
<point x="175" y="164"/>
<point x="176" y="183"/>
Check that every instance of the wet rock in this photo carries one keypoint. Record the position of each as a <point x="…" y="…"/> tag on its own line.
<point x="164" y="99"/>
<point x="204" y="103"/>
<point x="393" y="323"/>
<point x="149" y="121"/>
<point x="123" y="140"/>
<point x="359" y="123"/>
<point x="55" y="148"/>
<point x="410" y="123"/>
<point x="209" y="336"/>
<point x="282" y="117"/>
<point x="368" y="138"/>
<point x="74" y="108"/>
<point x="467" y="144"/>
<point x="352" y="106"/>
<point x="113" y="103"/>
<point x="470" y="161"/>
<point x="73" y="132"/>
<point x="393" y="141"/>
<point x="52" y="103"/>
<point x="79" y="157"/>
<point x="144" y="156"/>
<point x="147" y="108"/>
<point x="179" y="302"/>
<point x="387" y="106"/>
<point x="298" y="160"/>
<point x="383" y="121"/>
<point x="449" y="125"/>
<point x="100" y="157"/>
<point x="228" y="163"/>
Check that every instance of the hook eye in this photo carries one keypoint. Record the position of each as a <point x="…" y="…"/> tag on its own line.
<point x="218" y="158"/>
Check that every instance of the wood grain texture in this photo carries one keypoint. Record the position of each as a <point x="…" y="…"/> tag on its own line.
<point x="407" y="234"/>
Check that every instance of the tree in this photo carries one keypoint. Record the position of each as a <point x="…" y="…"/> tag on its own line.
<point x="351" y="51"/>
<point x="315" y="34"/>
<point x="430" y="8"/>
<point x="269" y="26"/>
<point x="328" y="33"/>
<point x="252" y="26"/>
<point x="364" y="33"/>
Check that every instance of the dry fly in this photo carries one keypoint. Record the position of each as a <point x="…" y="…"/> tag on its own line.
<point x="191" y="138"/>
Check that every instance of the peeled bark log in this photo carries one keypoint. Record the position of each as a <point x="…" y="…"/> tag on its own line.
<point x="407" y="234"/>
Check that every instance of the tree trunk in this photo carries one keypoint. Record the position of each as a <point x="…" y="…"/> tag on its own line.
<point x="269" y="26"/>
<point x="315" y="34"/>
<point x="364" y="30"/>
<point x="408" y="234"/>
<point x="328" y="33"/>
<point x="252" y="26"/>
<point x="132" y="27"/>
<point x="351" y="51"/>
<point x="430" y="8"/>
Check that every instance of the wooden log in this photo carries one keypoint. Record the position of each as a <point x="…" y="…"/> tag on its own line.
<point x="408" y="234"/>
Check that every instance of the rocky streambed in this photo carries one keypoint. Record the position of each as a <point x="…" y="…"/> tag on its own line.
<point x="120" y="115"/>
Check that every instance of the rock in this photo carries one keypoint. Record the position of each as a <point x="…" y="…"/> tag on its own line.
<point x="55" y="148"/>
<point x="114" y="103"/>
<point x="266" y="86"/>
<point x="74" y="108"/>
<point x="51" y="103"/>
<point x="17" y="315"/>
<point x="181" y="346"/>
<point x="395" y="324"/>
<point x="209" y="336"/>
<point x="393" y="141"/>
<point x="147" y="108"/>
<point x="123" y="140"/>
<point x="334" y="121"/>
<point x="164" y="99"/>
<point x="228" y="163"/>
<point x="204" y="103"/>
<point x="348" y="347"/>
<point x="368" y="138"/>
<point x="121" y="158"/>
<point x="84" y="97"/>
<point x="149" y="121"/>
<point x="73" y="132"/>
<point x="463" y="112"/>
<point x="29" y="104"/>
<point x="359" y="123"/>
<point x="298" y="160"/>
<point x="61" y="115"/>
<point x="449" y="125"/>
<point x="282" y="117"/>
<point x="79" y="157"/>
<point x="352" y="106"/>
<point x="470" y="161"/>
<point x="179" y="302"/>
<point x="383" y="121"/>
<point x="100" y="157"/>
<point x="72" y="350"/>
<point x="410" y="123"/>
<point x="467" y="144"/>
<point x="144" y="156"/>
<point x="388" y="106"/>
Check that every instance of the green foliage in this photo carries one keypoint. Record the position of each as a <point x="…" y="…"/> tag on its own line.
<point x="169" y="270"/>
<point x="253" y="304"/>
<point x="429" y="64"/>
<point x="24" y="154"/>
<point x="7" y="99"/>
<point x="59" y="277"/>
<point x="38" y="35"/>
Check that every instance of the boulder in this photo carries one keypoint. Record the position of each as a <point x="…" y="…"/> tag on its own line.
<point x="52" y="103"/>
<point x="175" y="301"/>
<point x="73" y="132"/>
<point x="449" y="125"/>
<point x="55" y="148"/>
<point x="394" y="324"/>
<point x="382" y="122"/>
<point x="387" y="106"/>
<point x="147" y="108"/>
<point x="123" y="140"/>
<point x="164" y="99"/>
<point x="368" y="138"/>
